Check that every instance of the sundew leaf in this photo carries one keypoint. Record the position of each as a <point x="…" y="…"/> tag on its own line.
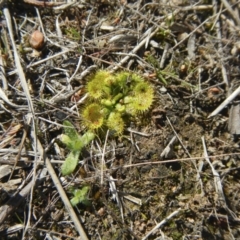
<point x="73" y="140"/>
<point x="86" y="138"/>
<point x="72" y="144"/>
<point x="83" y="140"/>
<point x="67" y="141"/>
<point x="93" y="117"/>
<point x="80" y="196"/>
<point x="70" y="163"/>
<point x="70" y="130"/>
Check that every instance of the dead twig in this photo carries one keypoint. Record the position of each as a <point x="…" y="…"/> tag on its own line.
<point x="2" y="73"/>
<point x="225" y="102"/>
<point x="30" y="117"/>
<point x="230" y="10"/>
<point x="218" y="184"/>
<point x="220" y="47"/>
<point x="62" y="194"/>
<point x="141" y="44"/>
<point x="19" y="152"/>
<point x="162" y="222"/>
<point x="103" y="163"/>
<point x="14" y="202"/>
<point x="43" y="3"/>
<point x="174" y="160"/>
<point x="187" y="152"/>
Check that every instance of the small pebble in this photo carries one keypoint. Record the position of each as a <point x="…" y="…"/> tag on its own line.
<point x="36" y="40"/>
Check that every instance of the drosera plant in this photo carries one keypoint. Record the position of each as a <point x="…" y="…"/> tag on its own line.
<point x="114" y="99"/>
<point x="74" y="142"/>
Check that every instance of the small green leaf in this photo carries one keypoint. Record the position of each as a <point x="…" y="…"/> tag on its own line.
<point x="72" y="144"/>
<point x="70" y="163"/>
<point x="86" y="138"/>
<point x="74" y="201"/>
<point x="161" y="78"/>
<point x="83" y="141"/>
<point x="67" y="141"/>
<point x="70" y="130"/>
<point x="80" y="196"/>
<point x="73" y="140"/>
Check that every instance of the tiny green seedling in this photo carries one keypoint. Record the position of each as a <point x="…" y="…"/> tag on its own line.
<point x="74" y="142"/>
<point x="81" y="196"/>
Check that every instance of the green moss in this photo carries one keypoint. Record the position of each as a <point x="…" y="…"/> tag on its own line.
<point x="73" y="33"/>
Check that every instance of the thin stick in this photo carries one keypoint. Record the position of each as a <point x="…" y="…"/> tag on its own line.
<point x="217" y="180"/>
<point x="230" y="10"/>
<point x="141" y="44"/>
<point x="225" y="102"/>
<point x="187" y="152"/>
<point x="14" y="202"/>
<point x="195" y="30"/>
<point x="162" y="223"/>
<point x="19" y="152"/>
<point x="62" y="194"/>
<point x="2" y="73"/>
<point x="220" y="47"/>
<point x="46" y="59"/>
<point x="103" y="154"/>
<point x="43" y="4"/>
<point x="218" y="184"/>
<point x="30" y="117"/>
<point x="6" y="100"/>
<point x="139" y="133"/>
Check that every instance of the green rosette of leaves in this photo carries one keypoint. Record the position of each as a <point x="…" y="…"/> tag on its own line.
<point x="114" y="99"/>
